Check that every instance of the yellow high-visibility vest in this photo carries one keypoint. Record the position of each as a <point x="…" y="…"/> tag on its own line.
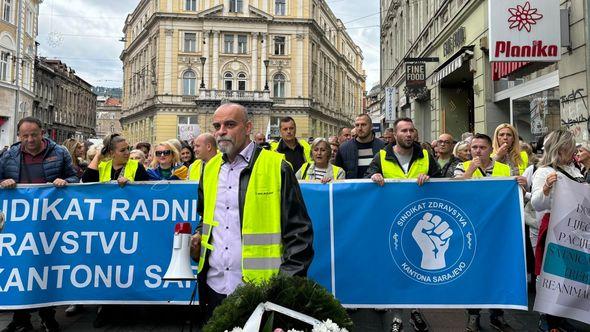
<point x="262" y="247"/>
<point x="306" y="176"/>
<point x="392" y="170"/>
<point x="525" y="162"/>
<point x="306" y="149"/>
<point x="105" y="167"/>
<point x="194" y="172"/>
<point x="499" y="169"/>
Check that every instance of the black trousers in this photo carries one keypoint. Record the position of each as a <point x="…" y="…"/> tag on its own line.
<point x="24" y="316"/>
<point x="209" y="300"/>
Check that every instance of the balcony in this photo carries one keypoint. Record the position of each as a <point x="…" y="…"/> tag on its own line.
<point x="234" y="95"/>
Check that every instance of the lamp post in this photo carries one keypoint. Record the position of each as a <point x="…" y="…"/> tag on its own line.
<point x="203" y="60"/>
<point x="266" y="62"/>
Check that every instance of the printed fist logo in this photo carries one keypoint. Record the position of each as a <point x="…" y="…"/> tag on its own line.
<point x="433" y="236"/>
<point x="522" y="17"/>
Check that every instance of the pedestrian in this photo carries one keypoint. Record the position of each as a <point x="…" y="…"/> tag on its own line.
<point x="146" y="148"/>
<point x="137" y="155"/>
<point x="461" y="151"/>
<point x="166" y="164"/>
<point x="482" y="165"/>
<point x="254" y="220"/>
<point x="584" y="160"/>
<point x="507" y="149"/>
<point x="355" y="155"/>
<point x="35" y="159"/>
<point x="320" y="168"/>
<point x="404" y="160"/>
<point x="389" y="136"/>
<point x="113" y="163"/>
<point x="77" y="153"/>
<point x="205" y="148"/>
<point x="559" y="147"/>
<point x="187" y="155"/>
<point x="344" y="135"/>
<point x="446" y="160"/>
<point x="296" y="151"/>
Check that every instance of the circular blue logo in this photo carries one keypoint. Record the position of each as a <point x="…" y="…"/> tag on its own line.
<point x="432" y="241"/>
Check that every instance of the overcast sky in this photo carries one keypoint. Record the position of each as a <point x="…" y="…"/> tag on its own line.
<point x="85" y="35"/>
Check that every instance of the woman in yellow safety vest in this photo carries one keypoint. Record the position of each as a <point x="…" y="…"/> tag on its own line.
<point x="507" y="149"/>
<point x="321" y="168"/>
<point x="112" y="163"/>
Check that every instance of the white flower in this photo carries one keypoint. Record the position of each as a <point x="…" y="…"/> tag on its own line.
<point x="328" y="326"/>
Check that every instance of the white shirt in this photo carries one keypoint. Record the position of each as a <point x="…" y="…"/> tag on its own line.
<point x="539" y="201"/>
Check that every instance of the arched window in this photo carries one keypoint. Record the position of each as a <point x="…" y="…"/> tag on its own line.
<point x="242" y="82"/>
<point x="228" y="78"/>
<point x="189" y="83"/>
<point x="279" y="86"/>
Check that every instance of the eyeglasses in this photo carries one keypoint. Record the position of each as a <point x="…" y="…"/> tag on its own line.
<point x="163" y="153"/>
<point x="441" y="142"/>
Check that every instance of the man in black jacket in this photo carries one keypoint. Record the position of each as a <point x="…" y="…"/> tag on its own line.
<point x="446" y="160"/>
<point x="232" y="186"/>
<point x="355" y="155"/>
<point x="35" y="160"/>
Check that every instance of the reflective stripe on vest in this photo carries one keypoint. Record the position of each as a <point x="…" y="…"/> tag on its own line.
<point x="105" y="167"/>
<point x="524" y="157"/>
<point x="392" y="170"/>
<point x="195" y="170"/>
<point x="261" y="222"/>
<point x="499" y="169"/>
<point x="306" y="149"/>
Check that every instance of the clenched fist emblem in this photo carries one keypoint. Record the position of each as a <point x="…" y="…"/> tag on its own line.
<point x="433" y="236"/>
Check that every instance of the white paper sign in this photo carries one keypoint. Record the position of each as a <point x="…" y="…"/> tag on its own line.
<point x="524" y="30"/>
<point x="390" y="104"/>
<point x="188" y="132"/>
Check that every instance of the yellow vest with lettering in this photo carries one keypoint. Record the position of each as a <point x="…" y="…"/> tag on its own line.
<point x="392" y="170"/>
<point x="105" y="167"/>
<point x="499" y="169"/>
<point x="306" y="149"/>
<point x="262" y="247"/>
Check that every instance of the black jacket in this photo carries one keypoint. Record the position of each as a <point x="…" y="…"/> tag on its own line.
<point x="375" y="166"/>
<point x="348" y="154"/>
<point x="296" y="228"/>
<point x="448" y="170"/>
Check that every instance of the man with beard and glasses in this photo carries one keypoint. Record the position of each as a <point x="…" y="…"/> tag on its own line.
<point x="254" y="221"/>
<point x="404" y="160"/>
<point x="355" y="155"/>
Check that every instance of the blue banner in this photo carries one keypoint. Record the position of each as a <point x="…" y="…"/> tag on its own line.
<point x="446" y="244"/>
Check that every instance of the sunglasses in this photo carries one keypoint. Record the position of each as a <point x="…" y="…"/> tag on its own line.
<point x="163" y="153"/>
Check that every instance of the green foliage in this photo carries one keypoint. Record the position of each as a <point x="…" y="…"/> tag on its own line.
<point x="296" y="293"/>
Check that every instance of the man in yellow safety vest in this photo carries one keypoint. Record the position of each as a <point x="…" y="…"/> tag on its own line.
<point x="205" y="148"/>
<point x="255" y="223"/>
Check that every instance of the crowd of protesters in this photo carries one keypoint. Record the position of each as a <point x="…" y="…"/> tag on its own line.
<point x="356" y="153"/>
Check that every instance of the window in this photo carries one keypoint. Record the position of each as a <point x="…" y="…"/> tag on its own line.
<point x="279" y="45"/>
<point x="280" y="7"/>
<point x="228" y="43"/>
<point x="190" y="42"/>
<point x="189" y="82"/>
<point x="242" y="82"/>
<point x="4" y="75"/>
<point x="7" y="11"/>
<point x="29" y="22"/>
<point x="228" y="78"/>
<point x="242" y="44"/>
<point x="235" y="6"/>
<point x="190" y="5"/>
<point x="279" y="86"/>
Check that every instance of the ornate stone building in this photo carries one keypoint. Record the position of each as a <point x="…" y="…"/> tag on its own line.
<point x="277" y="57"/>
<point x="108" y="113"/>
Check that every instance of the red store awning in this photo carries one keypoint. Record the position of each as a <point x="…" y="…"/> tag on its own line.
<point x="503" y="69"/>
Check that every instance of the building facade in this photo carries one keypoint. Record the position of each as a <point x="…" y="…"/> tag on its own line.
<point x="463" y="90"/>
<point x="277" y="57"/>
<point x="63" y="101"/>
<point x="108" y="114"/>
<point x="18" y="30"/>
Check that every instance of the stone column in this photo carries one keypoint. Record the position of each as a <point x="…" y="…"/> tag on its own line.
<point x="168" y="61"/>
<point x="215" y="70"/>
<point x="263" y="56"/>
<point x="206" y="54"/>
<point x="254" y="66"/>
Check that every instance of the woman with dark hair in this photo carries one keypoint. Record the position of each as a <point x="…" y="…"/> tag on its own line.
<point x="112" y="163"/>
<point x="187" y="155"/>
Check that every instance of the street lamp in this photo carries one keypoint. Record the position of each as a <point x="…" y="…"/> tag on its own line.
<point x="266" y="62"/>
<point x="203" y="60"/>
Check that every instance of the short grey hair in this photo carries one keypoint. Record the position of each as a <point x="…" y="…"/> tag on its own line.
<point x="459" y="146"/>
<point x="316" y="142"/>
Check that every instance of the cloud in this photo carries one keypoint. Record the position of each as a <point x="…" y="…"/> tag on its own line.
<point x="85" y="35"/>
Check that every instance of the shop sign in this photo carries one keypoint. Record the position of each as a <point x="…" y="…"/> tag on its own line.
<point x="455" y="41"/>
<point x="523" y="30"/>
<point x="390" y="93"/>
<point x="415" y="75"/>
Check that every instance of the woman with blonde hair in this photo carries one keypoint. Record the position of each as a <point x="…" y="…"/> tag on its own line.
<point x="166" y="163"/>
<point x="321" y="168"/>
<point x="77" y="152"/>
<point x="507" y="149"/>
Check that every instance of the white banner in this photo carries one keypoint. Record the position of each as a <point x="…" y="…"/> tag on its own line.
<point x="188" y="132"/>
<point x="524" y="30"/>
<point x="563" y="288"/>
<point x="390" y="104"/>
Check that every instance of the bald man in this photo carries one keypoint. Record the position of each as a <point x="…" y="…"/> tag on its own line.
<point x="446" y="160"/>
<point x="254" y="220"/>
<point x="205" y="148"/>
